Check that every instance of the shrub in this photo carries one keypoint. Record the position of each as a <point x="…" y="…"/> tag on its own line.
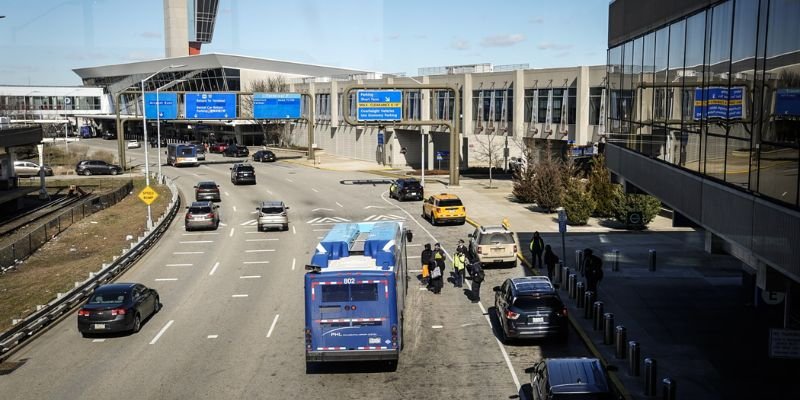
<point x="578" y="202"/>
<point x="547" y="184"/>
<point x="626" y="203"/>
<point x="523" y="185"/>
<point x="602" y="190"/>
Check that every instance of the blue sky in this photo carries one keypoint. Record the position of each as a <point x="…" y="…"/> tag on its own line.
<point x="41" y="41"/>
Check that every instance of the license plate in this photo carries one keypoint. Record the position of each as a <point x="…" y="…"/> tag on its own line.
<point x="99" y="326"/>
<point x="413" y="193"/>
<point x="376" y="340"/>
<point x="536" y="320"/>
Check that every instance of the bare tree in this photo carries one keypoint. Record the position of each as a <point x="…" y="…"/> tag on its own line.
<point x="273" y="132"/>
<point x="490" y="150"/>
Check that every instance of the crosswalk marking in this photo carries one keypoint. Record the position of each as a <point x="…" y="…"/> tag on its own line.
<point x="386" y="217"/>
<point x="319" y="220"/>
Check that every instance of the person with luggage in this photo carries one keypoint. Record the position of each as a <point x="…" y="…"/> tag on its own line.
<point x="476" y="271"/>
<point x="425" y="259"/>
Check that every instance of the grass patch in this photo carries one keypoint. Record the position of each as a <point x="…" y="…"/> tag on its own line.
<point x="80" y="249"/>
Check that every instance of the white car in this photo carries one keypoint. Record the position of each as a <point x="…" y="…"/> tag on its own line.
<point x="27" y="168"/>
<point x="134" y="144"/>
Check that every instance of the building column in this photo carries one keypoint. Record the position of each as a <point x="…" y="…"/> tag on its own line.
<point x="335" y="104"/>
<point x="583" y="134"/>
<point x="713" y="244"/>
<point x="425" y="114"/>
<point x="518" y="130"/>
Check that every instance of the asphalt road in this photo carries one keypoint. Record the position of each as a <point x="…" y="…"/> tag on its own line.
<point x="232" y="322"/>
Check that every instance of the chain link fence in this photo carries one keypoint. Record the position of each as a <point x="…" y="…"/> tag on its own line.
<point x="26" y="245"/>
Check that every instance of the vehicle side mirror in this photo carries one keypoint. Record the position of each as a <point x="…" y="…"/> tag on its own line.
<point x="287" y="207"/>
<point x="194" y="187"/>
<point x="409" y="236"/>
<point x="231" y="168"/>
<point x="470" y="235"/>
<point x="496" y="288"/>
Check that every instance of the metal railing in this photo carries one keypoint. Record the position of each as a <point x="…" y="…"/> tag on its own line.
<point x="63" y="303"/>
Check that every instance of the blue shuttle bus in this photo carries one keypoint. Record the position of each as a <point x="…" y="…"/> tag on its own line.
<point x="355" y="292"/>
<point x="181" y="154"/>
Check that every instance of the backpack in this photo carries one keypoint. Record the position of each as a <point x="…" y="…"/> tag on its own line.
<point x="477" y="272"/>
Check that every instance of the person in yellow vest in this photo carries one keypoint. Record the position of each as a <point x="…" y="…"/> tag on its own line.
<point x="459" y="265"/>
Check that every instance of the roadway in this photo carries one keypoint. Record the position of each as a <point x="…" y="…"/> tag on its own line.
<point x="232" y="322"/>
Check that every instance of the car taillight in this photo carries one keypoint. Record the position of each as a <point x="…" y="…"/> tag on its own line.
<point x="188" y="216"/>
<point x="511" y="315"/>
<point x="118" y="311"/>
<point x="564" y="311"/>
<point x="84" y="313"/>
<point x="515" y="249"/>
<point x="210" y="215"/>
<point x="480" y="250"/>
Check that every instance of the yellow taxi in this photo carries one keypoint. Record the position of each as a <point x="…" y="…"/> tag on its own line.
<point x="444" y="207"/>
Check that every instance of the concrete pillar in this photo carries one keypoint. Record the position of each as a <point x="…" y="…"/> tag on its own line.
<point x="335" y="104"/>
<point x="311" y="137"/>
<point x="468" y="123"/>
<point x="518" y="126"/>
<point x="713" y="244"/>
<point x="583" y="133"/>
<point x="176" y="28"/>
<point x="425" y="113"/>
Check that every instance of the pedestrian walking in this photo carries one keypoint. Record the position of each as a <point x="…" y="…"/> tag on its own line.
<point x="594" y="270"/>
<point x="537" y="248"/>
<point x="459" y="267"/>
<point x="550" y="260"/>
<point x="425" y="259"/>
<point x="476" y="271"/>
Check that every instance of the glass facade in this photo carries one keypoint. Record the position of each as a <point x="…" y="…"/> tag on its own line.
<point x="30" y="107"/>
<point x="202" y="15"/>
<point x="716" y="93"/>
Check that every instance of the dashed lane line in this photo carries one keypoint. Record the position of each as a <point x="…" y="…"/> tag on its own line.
<point x="271" y="327"/>
<point x="213" y="269"/>
<point x="294" y="260"/>
<point x="161" y="332"/>
<point x="259" y="251"/>
<point x="186" y="252"/>
<point x="232" y="230"/>
<point x="165" y="279"/>
<point x="256" y="262"/>
<point x="250" y="277"/>
<point x="261" y="240"/>
<point x="238" y="295"/>
<point x="196" y="241"/>
<point x="178" y="265"/>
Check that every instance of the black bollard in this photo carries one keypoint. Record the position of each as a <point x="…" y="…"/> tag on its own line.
<point x="620" y="339"/>
<point x="573" y="279"/>
<point x="649" y="377"/>
<point x="558" y="272"/>
<point x="668" y="389"/>
<point x="598" y="315"/>
<point x="615" y="265"/>
<point x="588" y="311"/>
<point x="578" y="260"/>
<point x="608" y="328"/>
<point x="652" y="264"/>
<point x="634" y="358"/>
<point x="564" y="274"/>
<point x="580" y="292"/>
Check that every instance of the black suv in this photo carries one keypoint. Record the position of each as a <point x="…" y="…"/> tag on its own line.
<point x="528" y="308"/>
<point x="566" y="378"/>
<point x="236" y="150"/>
<point x="405" y="189"/>
<point x="243" y="173"/>
<point x="97" y="167"/>
<point x="208" y="190"/>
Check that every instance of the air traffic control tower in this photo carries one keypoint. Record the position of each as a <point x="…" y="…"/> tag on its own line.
<point x="187" y="25"/>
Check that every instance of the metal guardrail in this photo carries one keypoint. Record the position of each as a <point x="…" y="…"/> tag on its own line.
<point x="53" y="311"/>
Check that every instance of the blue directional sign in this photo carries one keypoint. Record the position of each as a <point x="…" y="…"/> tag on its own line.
<point x="379" y="105"/>
<point x="164" y="106"/>
<point x="276" y="105"/>
<point x="718" y="102"/>
<point x="787" y="103"/>
<point x="380" y="138"/>
<point x="210" y="105"/>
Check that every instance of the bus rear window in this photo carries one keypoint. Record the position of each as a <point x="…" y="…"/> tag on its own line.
<point x="353" y="292"/>
<point x="185" y="151"/>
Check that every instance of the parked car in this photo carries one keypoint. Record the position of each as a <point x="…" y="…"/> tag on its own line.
<point x="117" y="307"/>
<point x="108" y="135"/>
<point x="217" y="147"/>
<point x="406" y="189"/>
<point x="201" y="151"/>
<point x="201" y="214"/>
<point x="27" y="168"/>
<point x="264" y="155"/>
<point x="243" y="173"/>
<point x="566" y="378"/>
<point x="272" y="214"/>
<point x="444" y="207"/>
<point x="133" y="144"/>
<point x="154" y="142"/>
<point x="97" y="167"/>
<point x="236" y="150"/>
<point x="529" y="308"/>
<point x="494" y="245"/>
<point x="207" y="190"/>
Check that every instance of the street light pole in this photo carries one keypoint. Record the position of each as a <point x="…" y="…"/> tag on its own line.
<point x="158" y="124"/>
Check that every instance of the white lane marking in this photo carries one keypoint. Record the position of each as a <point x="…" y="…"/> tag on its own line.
<point x="212" y="336"/>
<point x="165" y="279"/>
<point x="187" y="252"/>
<point x="253" y="232"/>
<point x="256" y="262"/>
<point x="483" y="309"/>
<point x="320" y="230"/>
<point x="321" y="209"/>
<point x="238" y="295"/>
<point x="178" y="265"/>
<point x="227" y="194"/>
<point x="223" y="224"/>
<point x="161" y="332"/>
<point x="294" y="232"/>
<point x="368" y="207"/>
<point x="269" y="191"/>
<point x="201" y="233"/>
<point x="234" y="208"/>
<point x="260" y="240"/>
<point x="315" y="190"/>
<point x="603" y="238"/>
<point x="437" y="327"/>
<point x="214" y="268"/>
<point x="294" y="260"/>
<point x="414" y="270"/>
<point x="258" y="251"/>
<point x="319" y="237"/>
<point x="196" y="241"/>
<point x="98" y="340"/>
<point x="414" y="245"/>
<point x="414" y="256"/>
<point x="289" y="180"/>
<point x="249" y="222"/>
<point x="271" y="327"/>
<point x="250" y="277"/>
<point x="232" y="230"/>
<point x="337" y="203"/>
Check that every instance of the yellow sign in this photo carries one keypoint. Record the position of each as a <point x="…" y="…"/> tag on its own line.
<point x="148" y="195"/>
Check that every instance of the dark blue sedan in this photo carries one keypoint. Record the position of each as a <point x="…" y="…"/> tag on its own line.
<point x="118" y="307"/>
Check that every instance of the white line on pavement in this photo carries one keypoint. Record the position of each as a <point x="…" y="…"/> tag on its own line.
<point x="603" y="238"/>
<point x="166" y="279"/>
<point x="258" y="251"/>
<point x="98" y="341"/>
<point x="187" y="252"/>
<point x="414" y="270"/>
<point x="320" y="230"/>
<point x="239" y="295"/>
<point x="232" y="230"/>
<point x="437" y="327"/>
<point x="414" y="256"/>
<point x="178" y="265"/>
<point x="161" y="332"/>
<point x="260" y="240"/>
<point x="253" y="232"/>
<point x="200" y="233"/>
<point x="227" y="194"/>
<point x="294" y="260"/>
<point x="414" y="245"/>
<point x="293" y="231"/>
<point x="250" y="277"/>
<point x="234" y="208"/>
<point x="289" y="180"/>
<point x="212" y="336"/>
<point x="315" y="190"/>
<point x="269" y="191"/>
<point x="423" y="288"/>
<point x="214" y="268"/>
<point x="196" y="241"/>
<point x="256" y="262"/>
<point x="337" y="203"/>
<point x="271" y="327"/>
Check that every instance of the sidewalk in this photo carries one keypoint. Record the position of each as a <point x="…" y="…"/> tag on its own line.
<point x="690" y="315"/>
